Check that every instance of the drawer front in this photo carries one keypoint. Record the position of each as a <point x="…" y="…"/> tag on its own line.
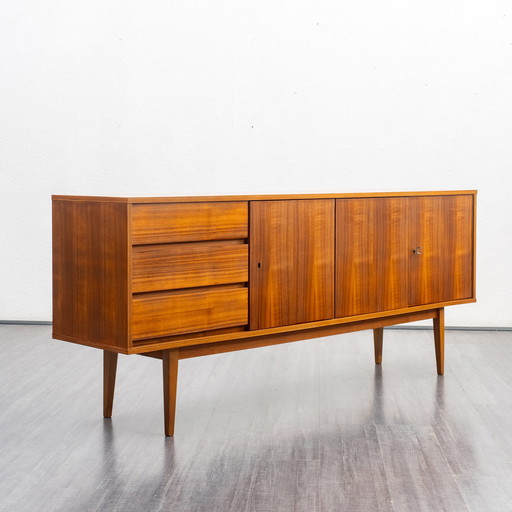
<point x="188" y="222"/>
<point x="163" y="314"/>
<point x="188" y="265"/>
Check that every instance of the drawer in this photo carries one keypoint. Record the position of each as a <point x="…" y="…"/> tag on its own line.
<point x="188" y="222"/>
<point x="167" y="313"/>
<point x="188" y="265"/>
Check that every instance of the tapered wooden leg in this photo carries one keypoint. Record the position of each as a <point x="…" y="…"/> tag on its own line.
<point x="109" y="381"/>
<point x="439" y="340"/>
<point x="378" y="335"/>
<point x="170" y="370"/>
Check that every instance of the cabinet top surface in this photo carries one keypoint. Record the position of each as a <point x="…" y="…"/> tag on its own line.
<point x="262" y="197"/>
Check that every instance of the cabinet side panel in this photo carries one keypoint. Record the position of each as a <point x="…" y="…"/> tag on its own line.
<point x="90" y="271"/>
<point x="443" y="227"/>
<point x="371" y="255"/>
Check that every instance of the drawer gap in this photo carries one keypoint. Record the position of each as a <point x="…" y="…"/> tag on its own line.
<point x="179" y="291"/>
<point x="223" y="241"/>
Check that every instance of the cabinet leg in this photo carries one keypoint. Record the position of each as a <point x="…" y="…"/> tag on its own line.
<point x="170" y="371"/>
<point x="378" y="335"/>
<point x="109" y="381"/>
<point x="439" y="340"/>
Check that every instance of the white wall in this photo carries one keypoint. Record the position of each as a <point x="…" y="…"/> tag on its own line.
<point x="235" y="96"/>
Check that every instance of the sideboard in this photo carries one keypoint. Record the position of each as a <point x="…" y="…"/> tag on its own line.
<point x="180" y="277"/>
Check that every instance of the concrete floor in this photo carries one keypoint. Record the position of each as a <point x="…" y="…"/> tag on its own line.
<point x="308" y="426"/>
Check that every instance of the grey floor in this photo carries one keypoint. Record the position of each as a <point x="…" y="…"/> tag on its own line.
<point x="308" y="426"/>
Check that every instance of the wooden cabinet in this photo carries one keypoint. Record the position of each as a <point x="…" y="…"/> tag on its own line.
<point x="183" y="277"/>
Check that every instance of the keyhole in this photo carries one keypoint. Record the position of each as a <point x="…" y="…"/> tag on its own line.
<point x="259" y="265"/>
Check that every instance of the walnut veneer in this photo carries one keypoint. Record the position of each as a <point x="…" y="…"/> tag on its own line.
<point x="183" y="277"/>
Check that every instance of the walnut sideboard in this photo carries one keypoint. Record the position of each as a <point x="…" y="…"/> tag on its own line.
<point x="180" y="277"/>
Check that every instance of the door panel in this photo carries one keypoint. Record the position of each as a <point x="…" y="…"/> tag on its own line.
<point x="371" y="255"/>
<point x="291" y="262"/>
<point x="442" y="226"/>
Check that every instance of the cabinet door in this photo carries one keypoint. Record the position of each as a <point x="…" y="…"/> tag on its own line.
<point x="442" y="227"/>
<point x="371" y="255"/>
<point x="291" y="249"/>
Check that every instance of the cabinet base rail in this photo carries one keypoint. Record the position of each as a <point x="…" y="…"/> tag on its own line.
<point x="170" y="357"/>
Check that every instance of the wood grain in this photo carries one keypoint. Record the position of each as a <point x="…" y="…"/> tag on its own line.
<point x="188" y="222"/>
<point x="188" y="265"/>
<point x="371" y="255"/>
<point x="90" y="273"/>
<point x="291" y="262"/>
<point x="162" y="314"/>
<point x="443" y="228"/>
